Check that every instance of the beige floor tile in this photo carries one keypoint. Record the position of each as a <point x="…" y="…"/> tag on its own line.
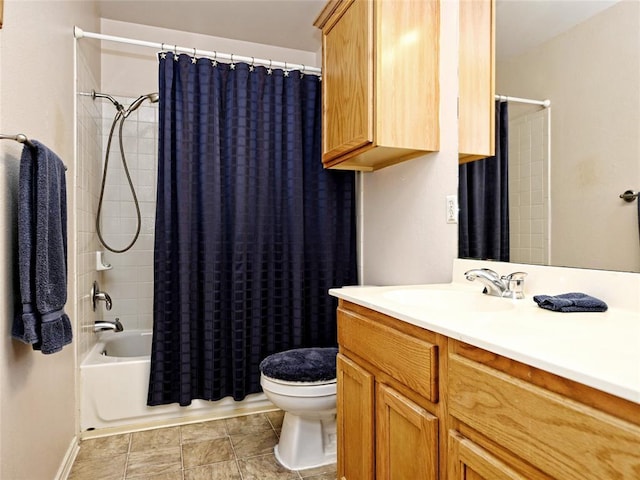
<point x="248" y="424"/>
<point x="104" y="468"/>
<point x="276" y="419"/>
<point x="207" y="452"/>
<point x="264" y="467"/>
<point x="104" y="447"/>
<point x="175" y="475"/>
<point x="326" y="471"/>
<point x="152" y="439"/>
<point x="198" y="432"/>
<point x="154" y="462"/>
<point x="239" y="448"/>
<point x="252" y="444"/>
<point x="217" y="471"/>
<point x="322" y="476"/>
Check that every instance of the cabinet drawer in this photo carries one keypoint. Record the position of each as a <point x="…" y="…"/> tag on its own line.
<point x="559" y="436"/>
<point x="412" y="361"/>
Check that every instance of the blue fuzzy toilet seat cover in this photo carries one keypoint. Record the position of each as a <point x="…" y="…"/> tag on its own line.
<point x="301" y="365"/>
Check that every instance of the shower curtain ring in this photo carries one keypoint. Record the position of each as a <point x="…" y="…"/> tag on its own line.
<point x="214" y="62"/>
<point x="175" y="53"/>
<point x="302" y="72"/>
<point x="233" y="65"/>
<point x="194" y="59"/>
<point x="253" y="64"/>
<point x="269" y="70"/>
<point x="286" y="72"/>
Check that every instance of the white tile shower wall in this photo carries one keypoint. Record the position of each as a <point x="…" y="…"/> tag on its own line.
<point x="130" y="281"/>
<point x="529" y="188"/>
<point x="89" y="149"/>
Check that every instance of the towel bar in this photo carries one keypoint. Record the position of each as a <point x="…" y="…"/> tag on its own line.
<point x="21" y="138"/>
<point x="629" y="195"/>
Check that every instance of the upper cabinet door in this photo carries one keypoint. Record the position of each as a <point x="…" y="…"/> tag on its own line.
<point x="476" y="113"/>
<point x="347" y="81"/>
<point x="380" y="78"/>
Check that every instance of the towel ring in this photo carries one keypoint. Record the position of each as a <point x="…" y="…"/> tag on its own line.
<point x="629" y="196"/>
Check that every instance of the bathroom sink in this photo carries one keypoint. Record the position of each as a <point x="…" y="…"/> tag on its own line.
<point x="448" y="300"/>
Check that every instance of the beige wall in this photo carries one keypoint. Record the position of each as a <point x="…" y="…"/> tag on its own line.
<point x="405" y="238"/>
<point x="37" y="392"/>
<point x="592" y="75"/>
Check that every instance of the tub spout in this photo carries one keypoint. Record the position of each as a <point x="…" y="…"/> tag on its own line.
<point x="116" y="326"/>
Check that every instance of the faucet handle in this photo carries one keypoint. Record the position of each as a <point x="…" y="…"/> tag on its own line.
<point x="515" y="284"/>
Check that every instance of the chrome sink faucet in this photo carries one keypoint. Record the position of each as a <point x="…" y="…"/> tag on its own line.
<point x="507" y="286"/>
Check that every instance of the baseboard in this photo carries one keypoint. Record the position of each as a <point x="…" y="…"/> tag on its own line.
<point x="67" y="461"/>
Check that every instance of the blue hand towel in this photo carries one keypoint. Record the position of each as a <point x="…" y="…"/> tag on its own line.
<point x="571" y="302"/>
<point x="42" y="252"/>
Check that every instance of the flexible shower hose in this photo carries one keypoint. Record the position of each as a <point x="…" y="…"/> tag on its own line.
<point x="121" y="117"/>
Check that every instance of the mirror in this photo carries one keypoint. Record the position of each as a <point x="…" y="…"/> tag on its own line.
<point x="583" y="56"/>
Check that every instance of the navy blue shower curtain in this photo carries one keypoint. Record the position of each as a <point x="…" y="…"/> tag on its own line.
<point x="483" y="195"/>
<point x="250" y="230"/>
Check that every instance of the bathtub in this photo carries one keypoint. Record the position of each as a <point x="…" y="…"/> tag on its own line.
<point x="114" y="378"/>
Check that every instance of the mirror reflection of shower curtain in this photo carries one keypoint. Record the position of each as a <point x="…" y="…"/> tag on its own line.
<point x="483" y="195"/>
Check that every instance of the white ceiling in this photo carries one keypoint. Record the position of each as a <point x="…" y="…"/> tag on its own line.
<point x="283" y="23"/>
<point x="520" y="24"/>
<point x="524" y="24"/>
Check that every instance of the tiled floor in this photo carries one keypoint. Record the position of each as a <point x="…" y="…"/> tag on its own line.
<point x="239" y="448"/>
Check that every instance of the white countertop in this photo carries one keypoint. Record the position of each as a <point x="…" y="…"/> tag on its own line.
<point x="601" y="350"/>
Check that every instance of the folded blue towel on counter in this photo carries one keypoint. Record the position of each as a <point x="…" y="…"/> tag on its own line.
<point x="571" y="302"/>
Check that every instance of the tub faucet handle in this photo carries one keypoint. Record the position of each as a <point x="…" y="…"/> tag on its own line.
<point x="97" y="295"/>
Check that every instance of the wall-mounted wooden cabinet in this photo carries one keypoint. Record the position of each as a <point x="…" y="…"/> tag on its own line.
<point x="476" y="77"/>
<point x="380" y="82"/>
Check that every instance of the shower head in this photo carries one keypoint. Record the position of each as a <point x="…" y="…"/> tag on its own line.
<point x="152" y="97"/>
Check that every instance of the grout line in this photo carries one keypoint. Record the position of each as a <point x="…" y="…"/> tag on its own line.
<point x="126" y="460"/>
<point x="233" y="449"/>
<point x="181" y="452"/>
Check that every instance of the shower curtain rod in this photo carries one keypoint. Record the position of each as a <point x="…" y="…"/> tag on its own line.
<point x="79" y="33"/>
<point x="504" y="98"/>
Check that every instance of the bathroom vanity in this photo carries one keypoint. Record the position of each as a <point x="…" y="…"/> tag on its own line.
<point x="468" y="389"/>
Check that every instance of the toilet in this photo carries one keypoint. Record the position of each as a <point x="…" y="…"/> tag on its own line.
<point x="302" y="383"/>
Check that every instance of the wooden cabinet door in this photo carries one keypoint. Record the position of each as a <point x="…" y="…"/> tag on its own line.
<point x="476" y="111"/>
<point x="347" y="80"/>
<point x="468" y="461"/>
<point x="407" y="438"/>
<point x="355" y="421"/>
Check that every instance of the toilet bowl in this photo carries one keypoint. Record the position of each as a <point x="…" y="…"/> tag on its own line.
<point x="308" y="436"/>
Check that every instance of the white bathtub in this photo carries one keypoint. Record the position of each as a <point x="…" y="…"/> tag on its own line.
<point x="114" y="379"/>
